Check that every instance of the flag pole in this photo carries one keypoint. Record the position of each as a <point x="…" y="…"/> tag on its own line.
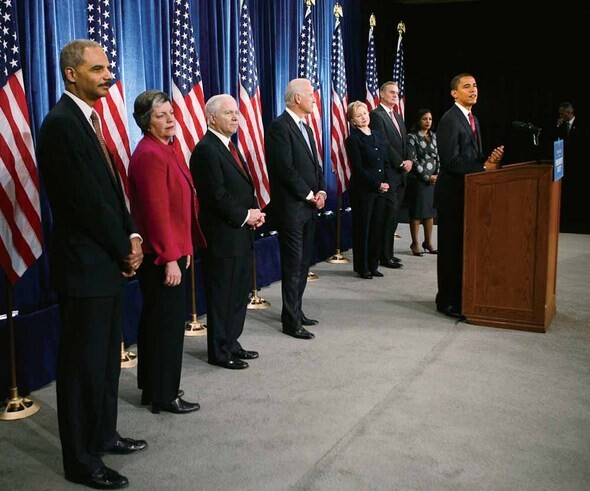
<point x="256" y="302"/>
<point x="338" y="258"/>
<point x="15" y="407"/>
<point x="194" y="327"/>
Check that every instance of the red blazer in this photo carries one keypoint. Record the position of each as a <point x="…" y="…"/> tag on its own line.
<point x="163" y="200"/>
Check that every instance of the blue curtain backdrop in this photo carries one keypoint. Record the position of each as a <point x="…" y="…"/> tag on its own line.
<point x="143" y="33"/>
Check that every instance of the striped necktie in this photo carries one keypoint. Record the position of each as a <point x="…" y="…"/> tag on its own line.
<point x="472" y="124"/>
<point x="234" y="151"/>
<point x="103" y="145"/>
<point x="395" y="123"/>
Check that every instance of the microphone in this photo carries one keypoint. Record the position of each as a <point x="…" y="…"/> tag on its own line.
<point x="530" y="127"/>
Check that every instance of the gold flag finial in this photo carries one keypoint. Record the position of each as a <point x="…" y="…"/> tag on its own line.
<point x="309" y="2"/>
<point x="372" y="21"/>
<point x="401" y="28"/>
<point x="337" y="11"/>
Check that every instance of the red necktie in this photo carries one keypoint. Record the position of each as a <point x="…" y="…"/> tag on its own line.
<point x="396" y="124"/>
<point x="472" y="124"/>
<point x="103" y="145"/>
<point x="234" y="152"/>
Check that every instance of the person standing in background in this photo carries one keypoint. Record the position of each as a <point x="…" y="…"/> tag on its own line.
<point x="298" y="191"/>
<point x="229" y="214"/>
<point x="575" y="217"/>
<point x="165" y="206"/>
<point x="423" y="150"/>
<point x="460" y="151"/>
<point x="387" y="122"/>
<point x="94" y="248"/>
<point x="369" y="181"/>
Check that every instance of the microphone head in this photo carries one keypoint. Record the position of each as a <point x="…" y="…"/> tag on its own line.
<point x="530" y="127"/>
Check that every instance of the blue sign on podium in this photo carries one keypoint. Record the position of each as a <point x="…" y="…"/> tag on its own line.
<point x="557" y="160"/>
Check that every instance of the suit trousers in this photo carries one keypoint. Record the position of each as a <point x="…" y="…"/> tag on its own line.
<point x="160" y="338"/>
<point x="296" y="241"/>
<point x="449" y="263"/>
<point x="229" y="282"/>
<point x="367" y="232"/>
<point x="87" y="382"/>
<point x="391" y="214"/>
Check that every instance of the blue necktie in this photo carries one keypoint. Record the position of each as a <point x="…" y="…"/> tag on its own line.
<point x="305" y="135"/>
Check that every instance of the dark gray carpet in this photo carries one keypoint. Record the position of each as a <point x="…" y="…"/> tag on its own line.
<point x="389" y="396"/>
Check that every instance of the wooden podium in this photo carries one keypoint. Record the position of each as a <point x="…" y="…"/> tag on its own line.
<point x="510" y="247"/>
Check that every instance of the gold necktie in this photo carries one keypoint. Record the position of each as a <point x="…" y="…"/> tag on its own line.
<point x="103" y="144"/>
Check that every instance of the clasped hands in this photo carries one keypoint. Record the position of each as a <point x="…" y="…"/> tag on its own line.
<point x="319" y="200"/>
<point x="132" y="261"/>
<point x="255" y="218"/>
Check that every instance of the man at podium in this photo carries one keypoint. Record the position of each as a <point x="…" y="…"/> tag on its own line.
<point x="460" y="151"/>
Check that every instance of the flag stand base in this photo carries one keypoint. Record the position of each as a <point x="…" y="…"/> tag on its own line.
<point x="257" y="302"/>
<point x="16" y="407"/>
<point x="194" y="327"/>
<point x="128" y="358"/>
<point x="311" y="276"/>
<point x="338" y="258"/>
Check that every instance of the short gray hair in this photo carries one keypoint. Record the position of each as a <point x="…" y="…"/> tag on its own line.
<point x="72" y="54"/>
<point x="294" y="88"/>
<point x="214" y="103"/>
<point x="144" y="104"/>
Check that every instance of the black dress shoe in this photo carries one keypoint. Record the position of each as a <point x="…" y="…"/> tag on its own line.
<point x="232" y="364"/>
<point x="125" y="446"/>
<point x="305" y="321"/>
<point x="146" y="399"/>
<point x="377" y="274"/>
<point x="392" y="264"/>
<point x="245" y="354"/>
<point x="396" y="259"/>
<point x="300" y="333"/>
<point x="366" y="276"/>
<point x="102" y="478"/>
<point x="177" y="406"/>
<point x="450" y="311"/>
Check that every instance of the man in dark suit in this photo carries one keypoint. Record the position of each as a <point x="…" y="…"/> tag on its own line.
<point x="460" y="151"/>
<point x="229" y="214"/>
<point x="575" y="217"/>
<point x="298" y="191"/>
<point x="387" y="121"/>
<point x="94" y="248"/>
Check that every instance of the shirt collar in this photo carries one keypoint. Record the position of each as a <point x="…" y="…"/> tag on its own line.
<point x="84" y="107"/>
<point x="224" y="139"/>
<point x="296" y="118"/>
<point x="463" y="110"/>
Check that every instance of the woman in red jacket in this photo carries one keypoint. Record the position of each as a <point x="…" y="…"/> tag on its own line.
<point x="164" y="205"/>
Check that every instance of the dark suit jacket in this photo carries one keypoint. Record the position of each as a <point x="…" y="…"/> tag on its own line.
<point x="460" y="154"/>
<point x="398" y="150"/>
<point x="369" y="157"/>
<point x="91" y="224"/>
<point x="293" y="170"/>
<point x="226" y="194"/>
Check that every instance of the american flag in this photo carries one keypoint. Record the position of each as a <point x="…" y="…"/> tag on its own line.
<point x="20" y="210"/>
<point x="111" y="108"/>
<point x="187" y="85"/>
<point x="251" y="131"/>
<point x="372" y="80"/>
<point x="340" y="129"/>
<point x="308" y="68"/>
<point x="398" y="70"/>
